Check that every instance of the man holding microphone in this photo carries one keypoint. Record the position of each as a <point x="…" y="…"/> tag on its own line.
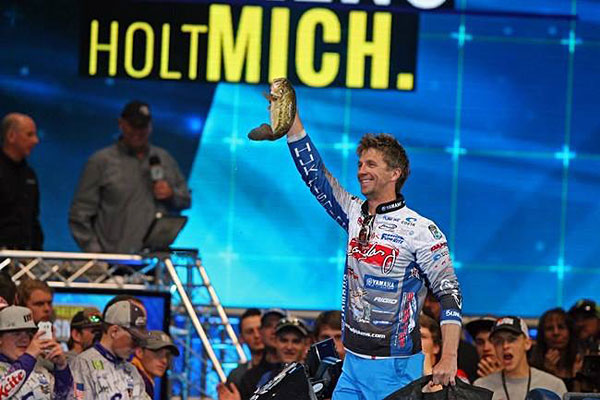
<point x="123" y="186"/>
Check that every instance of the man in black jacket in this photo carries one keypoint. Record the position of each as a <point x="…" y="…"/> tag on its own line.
<point x="19" y="191"/>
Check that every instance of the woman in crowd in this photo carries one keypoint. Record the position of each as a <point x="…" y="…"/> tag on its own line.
<point x="556" y="349"/>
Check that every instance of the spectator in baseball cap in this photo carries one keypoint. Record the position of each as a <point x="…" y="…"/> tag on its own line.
<point x="153" y="358"/>
<point x="292" y="342"/>
<point x="480" y="330"/>
<point x="586" y="315"/>
<point x="86" y="329"/>
<point x="20" y="345"/>
<point x="123" y="330"/>
<point x="130" y="318"/>
<point x="268" y="322"/>
<point x="292" y="339"/>
<point x="510" y="337"/>
<point x="270" y="360"/>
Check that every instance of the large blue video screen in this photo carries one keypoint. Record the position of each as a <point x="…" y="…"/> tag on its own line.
<point x="500" y="124"/>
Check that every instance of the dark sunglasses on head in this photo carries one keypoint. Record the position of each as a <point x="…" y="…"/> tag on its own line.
<point x="365" y="230"/>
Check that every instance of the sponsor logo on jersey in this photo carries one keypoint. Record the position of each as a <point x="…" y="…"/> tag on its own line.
<point x="392" y="238"/>
<point x="435" y="232"/>
<point x="385" y="300"/>
<point x="381" y="322"/>
<point x="408" y="309"/>
<point x="374" y="254"/>
<point x="414" y="273"/>
<point x="363" y="333"/>
<point x="388" y="218"/>
<point x="380" y="311"/>
<point x="97" y="364"/>
<point x="439" y="246"/>
<point x="409" y="221"/>
<point x="12" y="383"/>
<point x="388" y="227"/>
<point x="440" y="255"/>
<point x="388" y="207"/>
<point x="380" y="283"/>
<point x="452" y="313"/>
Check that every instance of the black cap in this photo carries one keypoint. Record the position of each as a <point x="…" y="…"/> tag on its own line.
<point x="87" y="318"/>
<point x="585" y="308"/>
<point x="478" y="325"/>
<point x="137" y="113"/>
<point x="272" y="312"/>
<point x="288" y="324"/>
<point x="511" y="324"/>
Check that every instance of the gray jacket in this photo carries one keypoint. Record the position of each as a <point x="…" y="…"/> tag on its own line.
<point x="114" y="204"/>
<point x="99" y="375"/>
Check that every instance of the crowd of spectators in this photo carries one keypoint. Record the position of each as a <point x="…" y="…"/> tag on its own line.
<point x="509" y="360"/>
<point x="109" y="354"/>
<point x="111" y="351"/>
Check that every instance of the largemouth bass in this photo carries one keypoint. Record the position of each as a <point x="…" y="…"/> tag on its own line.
<point x="282" y="107"/>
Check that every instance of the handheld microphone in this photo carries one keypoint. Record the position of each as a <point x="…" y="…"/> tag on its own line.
<point x="157" y="172"/>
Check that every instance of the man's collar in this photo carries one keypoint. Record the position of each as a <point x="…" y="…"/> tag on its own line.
<point x="8" y="159"/>
<point x="128" y="150"/>
<point x="107" y="354"/>
<point x="383" y="208"/>
<point x="138" y="364"/>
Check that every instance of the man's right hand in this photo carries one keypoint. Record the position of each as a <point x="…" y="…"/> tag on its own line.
<point x="487" y="366"/>
<point x="228" y="391"/>
<point x="36" y="346"/>
<point x="162" y="190"/>
<point x="295" y="132"/>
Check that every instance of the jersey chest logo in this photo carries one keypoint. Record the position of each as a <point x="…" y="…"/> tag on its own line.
<point x="12" y="384"/>
<point x="374" y="254"/>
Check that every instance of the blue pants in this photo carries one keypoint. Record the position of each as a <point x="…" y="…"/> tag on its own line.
<point x="365" y="379"/>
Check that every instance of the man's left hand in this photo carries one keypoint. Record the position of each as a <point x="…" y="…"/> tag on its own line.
<point x="55" y="354"/>
<point x="162" y="190"/>
<point x="444" y="372"/>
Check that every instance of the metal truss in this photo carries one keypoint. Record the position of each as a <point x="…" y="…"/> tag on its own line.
<point x="199" y="323"/>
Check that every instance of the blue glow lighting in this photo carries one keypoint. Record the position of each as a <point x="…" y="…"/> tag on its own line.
<point x="195" y="124"/>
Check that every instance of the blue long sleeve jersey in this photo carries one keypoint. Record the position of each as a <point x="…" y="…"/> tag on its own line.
<point x="391" y="260"/>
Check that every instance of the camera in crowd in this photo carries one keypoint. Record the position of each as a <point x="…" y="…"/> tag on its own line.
<point x="314" y="380"/>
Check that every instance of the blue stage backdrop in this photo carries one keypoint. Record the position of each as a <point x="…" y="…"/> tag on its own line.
<point x="497" y="106"/>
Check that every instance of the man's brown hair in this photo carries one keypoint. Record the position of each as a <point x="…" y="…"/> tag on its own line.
<point x="393" y="153"/>
<point x="27" y="286"/>
<point x="332" y="319"/>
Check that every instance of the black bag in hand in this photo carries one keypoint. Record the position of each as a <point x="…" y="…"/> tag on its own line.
<point x="462" y="391"/>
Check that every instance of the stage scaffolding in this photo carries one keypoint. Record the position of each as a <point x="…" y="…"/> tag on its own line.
<point x="199" y="324"/>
